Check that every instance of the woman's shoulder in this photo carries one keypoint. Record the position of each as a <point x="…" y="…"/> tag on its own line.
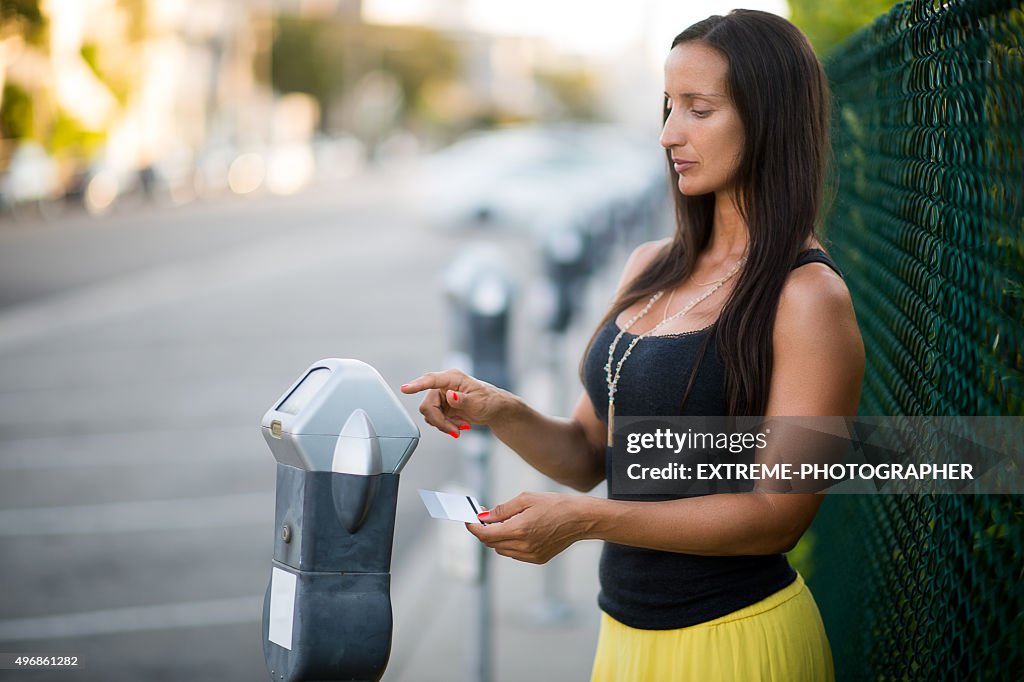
<point x="818" y="357"/>
<point x="816" y="311"/>
<point x="814" y="253"/>
<point x="641" y="258"/>
<point x="814" y="290"/>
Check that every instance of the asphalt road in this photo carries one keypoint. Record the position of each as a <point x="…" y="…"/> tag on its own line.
<point x="137" y="355"/>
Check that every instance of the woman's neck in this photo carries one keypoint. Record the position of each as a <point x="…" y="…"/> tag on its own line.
<point x="729" y="235"/>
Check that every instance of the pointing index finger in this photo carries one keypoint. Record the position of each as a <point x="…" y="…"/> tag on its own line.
<point x="430" y="380"/>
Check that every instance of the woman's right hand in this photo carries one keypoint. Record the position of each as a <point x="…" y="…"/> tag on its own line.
<point x="454" y="400"/>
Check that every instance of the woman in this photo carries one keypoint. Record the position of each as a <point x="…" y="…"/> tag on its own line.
<point x="739" y="313"/>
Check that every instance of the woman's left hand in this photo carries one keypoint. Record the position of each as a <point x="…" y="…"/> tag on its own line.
<point x="532" y="527"/>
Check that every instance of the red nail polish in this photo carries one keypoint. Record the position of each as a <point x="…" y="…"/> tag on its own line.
<point x="483" y="515"/>
<point x="464" y="427"/>
<point x="453" y="434"/>
<point x="404" y="386"/>
<point x="455" y="396"/>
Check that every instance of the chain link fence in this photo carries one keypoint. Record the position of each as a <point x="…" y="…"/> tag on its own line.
<point x="928" y="227"/>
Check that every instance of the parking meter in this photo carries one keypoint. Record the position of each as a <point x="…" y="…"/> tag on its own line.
<point x="340" y="438"/>
<point x="566" y="266"/>
<point x="481" y="291"/>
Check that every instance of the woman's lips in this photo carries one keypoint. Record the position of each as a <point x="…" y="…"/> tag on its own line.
<point x="680" y="165"/>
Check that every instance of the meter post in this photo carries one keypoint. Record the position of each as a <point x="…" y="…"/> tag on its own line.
<point x="480" y="294"/>
<point x="568" y="256"/>
<point x="340" y="438"/>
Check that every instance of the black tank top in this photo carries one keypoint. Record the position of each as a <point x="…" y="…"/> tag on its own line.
<point x="651" y="589"/>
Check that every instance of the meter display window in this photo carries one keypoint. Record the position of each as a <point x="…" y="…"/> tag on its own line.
<point x="307" y="388"/>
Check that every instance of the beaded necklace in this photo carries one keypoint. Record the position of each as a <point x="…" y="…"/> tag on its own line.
<point x="613" y="378"/>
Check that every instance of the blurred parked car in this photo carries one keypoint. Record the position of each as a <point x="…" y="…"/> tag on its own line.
<point x="519" y="178"/>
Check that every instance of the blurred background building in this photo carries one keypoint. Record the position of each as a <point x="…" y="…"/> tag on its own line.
<point x="107" y="99"/>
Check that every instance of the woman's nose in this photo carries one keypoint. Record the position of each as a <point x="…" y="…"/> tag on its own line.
<point x="672" y="133"/>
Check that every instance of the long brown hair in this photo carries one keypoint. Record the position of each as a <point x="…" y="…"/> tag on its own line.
<point x="782" y="96"/>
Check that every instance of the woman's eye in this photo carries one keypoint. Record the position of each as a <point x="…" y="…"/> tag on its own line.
<point x="700" y="114"/>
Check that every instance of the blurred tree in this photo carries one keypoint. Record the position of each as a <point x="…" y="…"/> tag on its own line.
<point x="28" y="110"/>
<point x="24" y="18"/>
<point x="573" y="93"/>
<point x="21" y="23"/>
<point x="69" y="139"/>
<point x="135" y="13"/>
<point x="109" y="64"/>
<point x="331" y="61"/>
<point x="304" y="58"/>
<point x="119" y="78"/>
<point x="415" y="56"/>
<point x="829" y="22"/>
<point x="15" y="113"/>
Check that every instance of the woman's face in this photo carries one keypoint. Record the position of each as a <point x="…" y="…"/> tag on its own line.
<point x="703" y="130"/>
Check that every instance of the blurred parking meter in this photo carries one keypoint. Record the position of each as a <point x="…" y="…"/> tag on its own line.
<point x="566" y="267"/>
<point x="625" y="218"/>
<point x="599" y="228"/>
<point x="340" y="438"/>
<point x="480" y="293"/>
<point x="569" y="259"/>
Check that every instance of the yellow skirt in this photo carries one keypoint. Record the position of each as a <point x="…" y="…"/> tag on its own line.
<point x="780" y="637"/>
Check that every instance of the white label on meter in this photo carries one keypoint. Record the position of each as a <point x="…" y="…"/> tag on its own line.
<point x="282" y="607"/>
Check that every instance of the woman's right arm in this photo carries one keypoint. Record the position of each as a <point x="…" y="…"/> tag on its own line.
<point x="570" y="451"/>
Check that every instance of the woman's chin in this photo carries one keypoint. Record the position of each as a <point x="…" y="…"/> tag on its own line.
<point x="691" y="189"/>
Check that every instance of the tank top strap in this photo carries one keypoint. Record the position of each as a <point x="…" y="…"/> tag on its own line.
<point x="816" y="256"/>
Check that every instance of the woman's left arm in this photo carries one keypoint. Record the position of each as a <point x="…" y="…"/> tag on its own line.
<point x="817" y="368"/>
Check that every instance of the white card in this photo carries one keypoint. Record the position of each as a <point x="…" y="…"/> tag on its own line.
<point x="449" y="506"/>
<point x="282" y="607"/>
